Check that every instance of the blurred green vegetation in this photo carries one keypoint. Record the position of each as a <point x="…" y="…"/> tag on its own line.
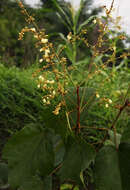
<point x="48" y="16"/>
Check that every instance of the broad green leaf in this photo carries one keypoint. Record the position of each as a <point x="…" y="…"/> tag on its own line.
<point x="124" y="161"/>
<point x="56" y="122"/>
<point x="59" y="152"/>
<point x="32" y="183"/>
<point x="118" y="137"/>
<point x="77" y="158"/>
<point x="124" y="158"/>
<point x="107" y="172"/>
<point x="126" y="136"/>
<point x="112" y="168"/>
<point x="47" y="183"/>
<point x="35" y="183"/>
<point x="29" y="152"/>
<point x="3" y="173"/>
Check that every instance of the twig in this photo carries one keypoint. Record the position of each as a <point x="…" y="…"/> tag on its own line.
<point x="55" y="170"/>
<point x="127" y="103"/>
<point x="78" y="112"/>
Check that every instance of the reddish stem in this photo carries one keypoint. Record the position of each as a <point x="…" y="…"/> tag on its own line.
<point x="119" y="113"/>
<point x="117" y="117"/>
<point x="126" y="104"/>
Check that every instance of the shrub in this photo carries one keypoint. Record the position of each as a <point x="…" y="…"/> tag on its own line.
<point x="19" y="100"/>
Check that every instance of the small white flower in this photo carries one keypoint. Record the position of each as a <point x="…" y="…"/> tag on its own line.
<point x="110" y="101"/>
<point x="41" y="78"/>
<point x="41" y="50"/>
<point x="41" y="60"/>
<point x="47" y="60"/>
<point x="33" y="29"/>
<point x="97" y="95"/>
<point x="51" y="81"/>
<point x="106" y="105"/>
<point x="44" y="41"/>
<point x="94" y="21"/>
<point x="46" y="55"/>
<point x="54" y="92"/>
<point x="38" y="85"/>
<point x="48" y="102"/>
<point x="69" y="36"/>
<point x="45" y="85"/>
<point x="36" y="36"/>
<point x="44" y="100"/>
<point x="47" y="81"/>
<point x="56" y="112"/>
<point x="47" y="51"/>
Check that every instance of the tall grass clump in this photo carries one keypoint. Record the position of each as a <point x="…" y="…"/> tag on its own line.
<point x="82" y="144"/>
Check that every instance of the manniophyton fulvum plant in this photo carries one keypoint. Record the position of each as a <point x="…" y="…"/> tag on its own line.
<point x="68" y="149"/>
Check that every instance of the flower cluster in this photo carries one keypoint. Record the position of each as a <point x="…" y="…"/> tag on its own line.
<point x="54" y="64"/>
<point x="54" y="80"/>
<point x="107" y="101"/>
<point x="48" y="87"/>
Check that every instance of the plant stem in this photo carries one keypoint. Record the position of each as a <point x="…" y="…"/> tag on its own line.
<point x="74" y="43"/>
<point x="78" y="111"/>
<point x="116" y="119"/>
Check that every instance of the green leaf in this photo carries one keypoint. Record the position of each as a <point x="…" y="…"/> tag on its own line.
<point x="35" y="183"/>
<point x="47" y="183"/>
<point x="3" y="173"/>
<point x="29" y="153"/>
<point x="112" y="168"/>
<point x="69" y="52"/>
<point x="107" y="170"/>
<point x="56" y="122"/>
<point x="59" y="151"/>
<point x="124" y="161"/>
<point x="86" y="22"/>
<point x="61" y="10"/>
<point x="63" y="21"/>
<point x="118" y="137"/>
<point x="77" y="158"/>
<point x="77" y="15"/>
<point x="126" y="136"/>
<point x="32" y="183"/>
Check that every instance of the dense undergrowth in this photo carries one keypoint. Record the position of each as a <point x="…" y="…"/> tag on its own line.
<point x="20" y="100"/>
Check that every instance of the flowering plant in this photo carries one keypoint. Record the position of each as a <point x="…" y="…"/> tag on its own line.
<point x="67" y="149"/>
